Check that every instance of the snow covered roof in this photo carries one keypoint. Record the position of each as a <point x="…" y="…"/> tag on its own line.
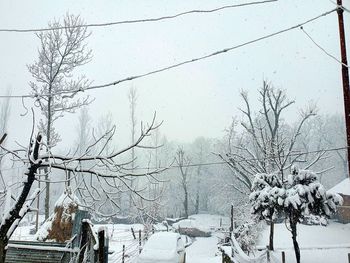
<point x="342" y="188"/>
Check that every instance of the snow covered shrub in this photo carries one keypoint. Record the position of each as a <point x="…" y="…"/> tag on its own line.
<point x="266" y="196"/>
<point x="315" y="220"/>
<point x="246" y="235"/>
<point x="301" y="195"/>
<point x="304" y="196"/>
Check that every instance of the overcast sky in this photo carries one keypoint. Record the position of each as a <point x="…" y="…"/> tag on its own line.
<point x="197" y="99"/>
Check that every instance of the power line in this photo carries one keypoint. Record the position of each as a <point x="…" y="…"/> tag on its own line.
<point x="321" y="48"/>
<point x="245" y="160"/>
<point x="138" y="20"/>
<point x="340" y="6"/>
<point x="219" y="52"/>
<point x="222" y="162"/>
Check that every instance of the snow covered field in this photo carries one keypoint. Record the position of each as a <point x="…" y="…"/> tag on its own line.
<point x="317" y="243"/>
<point x="203" y="250"/>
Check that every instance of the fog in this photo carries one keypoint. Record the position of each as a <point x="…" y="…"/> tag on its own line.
<point x="194" y="100"/>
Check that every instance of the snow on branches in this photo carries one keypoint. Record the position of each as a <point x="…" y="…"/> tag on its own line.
<point x="301" y="192"/>
<point x="308" y="196"/>
<point x="298" y="196"/>
<point x="267" y="191"/>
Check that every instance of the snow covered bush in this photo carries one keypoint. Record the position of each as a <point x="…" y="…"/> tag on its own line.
<point x="315" y="220"/>
<point x="266" y="193"/>
<point x="266" y="199"/>
<point x="299" y="196"/>
<point x="246" y="234"/>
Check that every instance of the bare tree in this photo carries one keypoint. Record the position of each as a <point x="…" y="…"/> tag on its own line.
<point x="5" y="112"/>
<point x="267" y="144"/>
<point x="201" y="149"/>
<point x="109" y="171"/>
<point x="84" y="130"/>
<point x="4" y="119"/>
<point x="132" y="96"/>
<point x="326" y="132"/>
<point x="61" y="52"/>
<point x="183" y="162"/>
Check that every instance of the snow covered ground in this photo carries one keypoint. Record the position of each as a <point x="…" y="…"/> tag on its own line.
<point x="317" y="243"/>
<point x="22" y="233"/>
<point x="119" y="235"/>
<point x="203" y="250"/>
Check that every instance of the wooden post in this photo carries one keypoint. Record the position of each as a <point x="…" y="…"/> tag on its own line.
<point x="101" y="246"/>
<point x="220" y="222"/>
<point x="345" y="76"/>
<point x="140" y="241"/>
<point x="283" y="257"/>
<point x="133" y="233"/>
<point x="267" y="254"/>
<point x="83" y="241"/>
<point x="123" y="255"/>
<point x="231" y="226"/>
<point x="349" y="257"/>
<point x="37" y="206"/>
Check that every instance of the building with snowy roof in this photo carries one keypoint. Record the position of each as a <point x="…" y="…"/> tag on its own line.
<point x="343" y="188"/>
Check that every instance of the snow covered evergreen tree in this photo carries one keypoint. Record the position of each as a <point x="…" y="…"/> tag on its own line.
<point x="300" y="195"/>
<point x="266" y="190"/>
<point x="305" y="195"/>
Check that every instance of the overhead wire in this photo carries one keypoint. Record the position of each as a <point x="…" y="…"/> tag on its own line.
<point x="14" y="30"/>
<point x="322" y="49"/>
<point x="225" y="50"/>
<point x="244" y="160"/>
<point x="223" y="162"/>
<point x="340" y="6"/>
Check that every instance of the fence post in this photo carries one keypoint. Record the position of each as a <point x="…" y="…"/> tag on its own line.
<point x="283" y="257"/>
<point x="349" y="257"/>
<point x="123" y="255"/>
<point x="101" y="246"/>
<point x="139" y="241"/>
<point x="268" y="254"/>
<point x="231" y="226"/>
<point x="133" y="233"/>
<point x="83" y="240"/>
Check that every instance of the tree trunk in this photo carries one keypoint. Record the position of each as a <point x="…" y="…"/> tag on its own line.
<point x="3" y="244"/>
<point x="196" y="206"/>
<point x="48" y="143"/>
<point x="47" y="195"/>
<point x="272" y="228"/>
<point x="293" y="226"/>
<point x="186" y="203"/>
<point x="14" y="214"/>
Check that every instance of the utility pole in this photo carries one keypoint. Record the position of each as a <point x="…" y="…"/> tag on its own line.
<point x="345" y="77"/>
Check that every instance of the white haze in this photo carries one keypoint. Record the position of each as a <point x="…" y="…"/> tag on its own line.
<point x="197" y="99"/>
